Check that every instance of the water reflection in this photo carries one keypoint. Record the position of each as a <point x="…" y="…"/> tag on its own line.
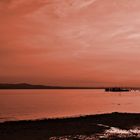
<point x="32" y="104"/>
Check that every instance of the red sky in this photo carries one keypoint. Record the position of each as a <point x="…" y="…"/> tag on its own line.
<point x="70" y="42"/>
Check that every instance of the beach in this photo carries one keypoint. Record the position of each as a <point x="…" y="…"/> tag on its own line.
<point x="102" y="126"/>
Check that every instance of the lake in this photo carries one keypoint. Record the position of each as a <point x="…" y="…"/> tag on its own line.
<point x="38" y="104"/>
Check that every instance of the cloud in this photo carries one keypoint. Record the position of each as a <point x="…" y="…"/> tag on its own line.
<point x="67" y="41"/>
<point x="10" y="8"/>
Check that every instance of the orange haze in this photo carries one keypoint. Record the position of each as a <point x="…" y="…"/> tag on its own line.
<point x="70" y="42"/>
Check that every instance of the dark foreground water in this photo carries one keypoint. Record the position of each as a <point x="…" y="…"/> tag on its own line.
<point x="38" y="104"/>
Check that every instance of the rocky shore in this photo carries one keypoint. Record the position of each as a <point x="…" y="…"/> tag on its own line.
<point x="112" y="126"/>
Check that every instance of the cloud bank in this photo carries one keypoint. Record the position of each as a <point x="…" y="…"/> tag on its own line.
<point x="69" y="42"/>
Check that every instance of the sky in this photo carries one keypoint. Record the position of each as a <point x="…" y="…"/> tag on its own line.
<point x="70" y="42"/>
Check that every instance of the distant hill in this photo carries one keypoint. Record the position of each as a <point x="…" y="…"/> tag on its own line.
<point x="30" y="86"/>
<point x="26" y="86"/>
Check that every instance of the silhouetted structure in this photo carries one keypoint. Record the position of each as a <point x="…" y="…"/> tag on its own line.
<point x="116" y="90"/>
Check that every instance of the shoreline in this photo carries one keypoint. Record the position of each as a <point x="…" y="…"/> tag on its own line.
<point x="14" y="120"/>
<point x="55" y="128"/>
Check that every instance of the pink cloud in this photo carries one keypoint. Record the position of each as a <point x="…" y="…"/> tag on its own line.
<point x="65" y="42"/>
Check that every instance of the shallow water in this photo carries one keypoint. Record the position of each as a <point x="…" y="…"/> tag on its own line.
<point x="38" y="104"/>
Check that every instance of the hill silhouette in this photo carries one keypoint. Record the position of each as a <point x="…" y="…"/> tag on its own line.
<point x="30" y="86"/>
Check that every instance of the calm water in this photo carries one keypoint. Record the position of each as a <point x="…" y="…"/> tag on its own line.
<point x="34" y="104"/>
